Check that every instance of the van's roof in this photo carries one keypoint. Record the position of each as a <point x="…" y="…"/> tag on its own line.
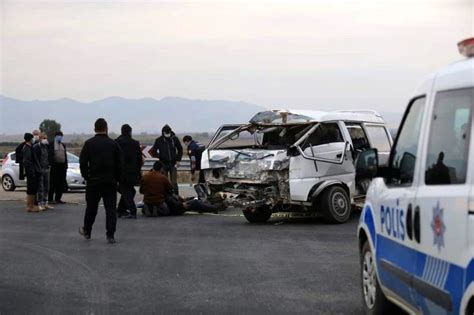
<point x="295" y="116"/>
<point x="457" y="75"/>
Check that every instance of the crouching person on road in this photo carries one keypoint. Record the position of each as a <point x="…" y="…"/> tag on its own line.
<point x="157" y="193"/>
<point x="101" y="166"/>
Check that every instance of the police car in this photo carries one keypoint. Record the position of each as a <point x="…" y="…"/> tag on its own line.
<point x="416" y="230"/>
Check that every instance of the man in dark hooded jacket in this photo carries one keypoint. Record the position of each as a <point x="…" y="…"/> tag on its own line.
<point x="168" y="149"/>
<point x="132" y="159"/>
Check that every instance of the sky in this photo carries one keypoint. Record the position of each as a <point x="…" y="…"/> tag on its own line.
<point x="319" y="54"/>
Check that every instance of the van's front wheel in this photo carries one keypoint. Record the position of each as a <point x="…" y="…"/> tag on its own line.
<point x="335" y="204"/>
<point x="258" y="215"/>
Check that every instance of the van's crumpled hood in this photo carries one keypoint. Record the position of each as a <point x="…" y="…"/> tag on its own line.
<point x="245" y="163"/>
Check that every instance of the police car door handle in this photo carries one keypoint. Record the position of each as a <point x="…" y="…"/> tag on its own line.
<point x="416" y="225"/>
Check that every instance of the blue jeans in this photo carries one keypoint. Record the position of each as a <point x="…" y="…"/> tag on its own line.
<point x="43" y="187"/>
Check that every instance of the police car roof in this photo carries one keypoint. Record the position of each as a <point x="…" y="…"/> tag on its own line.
<point x="457" y="75"/>
<point x="288" y="117"/>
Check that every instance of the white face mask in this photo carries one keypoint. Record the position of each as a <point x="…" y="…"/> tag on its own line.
<point x="167" y="135"/>
<point x="35" y="139"/>
<point x="44" y="141"/>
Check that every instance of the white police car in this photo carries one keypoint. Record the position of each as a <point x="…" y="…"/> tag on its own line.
<point x="416" y="230"/>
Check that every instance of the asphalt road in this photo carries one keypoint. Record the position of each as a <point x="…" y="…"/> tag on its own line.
<point x="188" y="264"/>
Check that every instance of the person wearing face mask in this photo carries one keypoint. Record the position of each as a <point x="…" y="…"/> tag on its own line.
<point x="169" y="151"/>
<point x="41" y="151"/>
<point x="36" y="136"/>
<point x="58" y="171"/>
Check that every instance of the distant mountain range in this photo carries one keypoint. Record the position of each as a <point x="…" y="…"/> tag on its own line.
<point x="144" y="115"/>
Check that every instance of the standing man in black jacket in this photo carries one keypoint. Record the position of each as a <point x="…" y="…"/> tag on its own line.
<point x="168" y="149"/>
<point x="133" y="161"/>
<point x="32" y="170"/>
<point x="101" y="166"/>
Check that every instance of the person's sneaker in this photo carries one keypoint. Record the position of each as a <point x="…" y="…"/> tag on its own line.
<point x="47" y="206"/>
<point x="86" y="235"/>
<point x="111" y="240"/>
<point x="60" y="202"/>
<point x="41" y="208"/>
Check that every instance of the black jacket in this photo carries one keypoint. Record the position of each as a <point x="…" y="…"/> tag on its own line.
<point x="37" y="151"/>
<point x="132" y="159"/>
<point x="101" y="161"/>
<point x="30" y="162"/>
<point x="19" y="159"/>
<point x="168" y="150"/>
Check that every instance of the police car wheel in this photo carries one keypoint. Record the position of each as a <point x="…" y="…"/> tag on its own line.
<point x="7" y="183"/>
<point x="470" y="307"/>
<point x="335" y="204"/>
<point x="374" y="300"/>
<point x="259" y="215"/>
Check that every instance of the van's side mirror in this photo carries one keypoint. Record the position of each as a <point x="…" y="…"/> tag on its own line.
<point x="367" y="164"/>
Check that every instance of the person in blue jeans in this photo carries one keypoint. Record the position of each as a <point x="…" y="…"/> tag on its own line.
<point x="41" y="150"/>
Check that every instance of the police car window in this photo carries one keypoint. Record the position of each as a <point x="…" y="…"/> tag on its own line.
<point x="324" y="134"/>
<point x="405" y="151"/>
<point x="379" y="138"/>
<point x="448" y="146"/>
<point x="358" y="136"/>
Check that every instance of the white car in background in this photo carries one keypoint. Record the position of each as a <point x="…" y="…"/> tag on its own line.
<point x="10" y="173"/>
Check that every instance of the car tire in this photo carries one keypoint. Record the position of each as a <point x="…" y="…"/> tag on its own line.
<point x="373" y="298"/>
<point x="7" y="183"/>
<point x="259" y="215"/>
<point x="335" y="205"/>
<point x="470" y="307"/>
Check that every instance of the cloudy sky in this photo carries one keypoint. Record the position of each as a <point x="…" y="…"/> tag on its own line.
<point x="298" y="54"/>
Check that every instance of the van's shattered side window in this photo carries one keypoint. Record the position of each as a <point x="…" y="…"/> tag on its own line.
<point x="324" y="134"/>
<point x="276" y="117"/>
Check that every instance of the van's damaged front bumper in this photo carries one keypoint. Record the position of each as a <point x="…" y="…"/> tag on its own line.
<point x="250" y="182"/>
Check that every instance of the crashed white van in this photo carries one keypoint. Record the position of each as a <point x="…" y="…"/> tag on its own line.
<point x="292" y="161"/>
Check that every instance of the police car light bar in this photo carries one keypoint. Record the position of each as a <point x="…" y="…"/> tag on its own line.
<point x="466" y="47"/>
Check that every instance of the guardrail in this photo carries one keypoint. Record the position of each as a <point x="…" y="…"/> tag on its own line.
<point x="184" y="165"/>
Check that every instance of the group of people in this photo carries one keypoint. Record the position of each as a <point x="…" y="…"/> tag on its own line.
<point x="109" y="166"/>
<point x="45" y="167"/>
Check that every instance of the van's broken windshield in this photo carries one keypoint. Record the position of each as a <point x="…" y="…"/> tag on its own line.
<point x="262" y="137"/>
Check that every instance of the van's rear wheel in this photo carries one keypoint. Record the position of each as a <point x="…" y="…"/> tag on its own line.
<point x="258" y="215"/>
<point x="335" y="204"/>
<point x="374" y="300"/>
